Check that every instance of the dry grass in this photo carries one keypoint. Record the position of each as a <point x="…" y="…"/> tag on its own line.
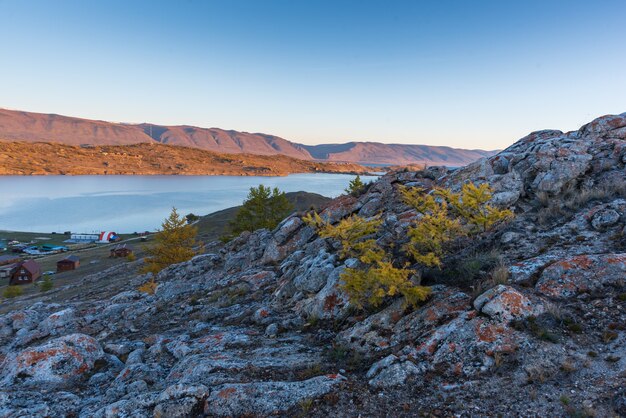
<point x="498" y="275"/>
<point x="572" y="199"/>
<point x="555" y="311"/>
<point x="148" y="287"/>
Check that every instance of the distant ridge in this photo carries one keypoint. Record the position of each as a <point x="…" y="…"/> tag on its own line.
<point x="39" y="127"/>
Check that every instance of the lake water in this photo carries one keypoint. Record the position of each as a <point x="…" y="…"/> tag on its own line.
<point x="127" y="204"/>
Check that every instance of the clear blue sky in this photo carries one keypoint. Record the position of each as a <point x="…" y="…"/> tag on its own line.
<point x="474" y="74"/>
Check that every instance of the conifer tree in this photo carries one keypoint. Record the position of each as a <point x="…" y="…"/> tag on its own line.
<point x="355" y="187"/>
<point x="447" y="216"/>
<point x="263" y="208"/>
<point x="377" y="278"/>
<point x="174" y="243"/>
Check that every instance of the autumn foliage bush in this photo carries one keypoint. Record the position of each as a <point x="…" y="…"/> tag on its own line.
<point x="174" y="243"/>
<point x="378" y="278"/>
<point x="447" y="216"/>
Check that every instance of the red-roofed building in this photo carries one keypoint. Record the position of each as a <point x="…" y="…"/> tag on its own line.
<point x="27" y="272"/>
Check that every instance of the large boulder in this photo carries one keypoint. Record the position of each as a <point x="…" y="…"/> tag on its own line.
<point x="506" y="303"/>
<point x="266" y="398"/>
<point x="582" y="274"/>
<point x="61" y="361"/>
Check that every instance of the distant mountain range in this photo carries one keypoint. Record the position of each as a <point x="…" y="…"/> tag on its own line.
<point x="39" y="127"/>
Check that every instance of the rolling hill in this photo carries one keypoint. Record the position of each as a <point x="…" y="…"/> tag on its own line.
<point x="44" y="158"/>
<point x="40" y="127"/>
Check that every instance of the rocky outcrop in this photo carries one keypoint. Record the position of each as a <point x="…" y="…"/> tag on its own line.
<point x="261" y="326"/>
<point x="62" y="361"/>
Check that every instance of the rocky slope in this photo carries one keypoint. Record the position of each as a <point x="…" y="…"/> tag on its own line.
<point x="22" y="158"/>
<point x="39" y="127"/>
<point x="260" y="327"/>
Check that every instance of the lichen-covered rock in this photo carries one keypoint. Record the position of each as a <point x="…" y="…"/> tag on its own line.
<point x="506" y="303"/>
<point x="266" y="398"/>
<point x="60" y="322"/>
<point x="465" y="346"/>
<point x="61" y="361"/>
<point x="604" y="219"/>
<point x="582" y="274"/>
<point x="391" y="371"/>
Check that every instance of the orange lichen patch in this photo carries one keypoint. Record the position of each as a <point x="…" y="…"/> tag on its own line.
<point x="429" y="346"/>
<point x="409" y="215"/>
<point x="338" y="206"/>
<point x="581" y="274"/>
<point x="489" y="333"/>
<point x="216" y="338"/>
<point x="258" y="279"/>
<point x="125" y="374"/>
<point x="616" y="259"/>
<point x="29" y="358"/>
<point x="330" y="302"/>
<point x="263" y="313"/>
<point x="556" y="289"/>
<point x="515" y="303"/>
<point x="226" y="393"/>
<point x="396" y="316"/>
<point x="18" y="316"/>
<point x="458" y="369"/>
<point x="577" y="262"/>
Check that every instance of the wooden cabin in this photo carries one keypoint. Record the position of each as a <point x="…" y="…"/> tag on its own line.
<point x="121" y="251"/>
<point x="70" y="262"/>
<point x="26" y="272"/>
<point x="7" y="270"/>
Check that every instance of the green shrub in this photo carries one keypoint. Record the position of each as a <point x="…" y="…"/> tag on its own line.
<point x="46" y="284"/>
<point x="263" y="208"/>
<point x="356" y="187"/>
<point x="191" y="218"/>
<point x="12" y="291"/>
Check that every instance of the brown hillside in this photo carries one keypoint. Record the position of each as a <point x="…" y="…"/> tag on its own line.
<point x="21" y="158"/>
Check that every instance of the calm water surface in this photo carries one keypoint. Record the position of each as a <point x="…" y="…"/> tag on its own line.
<point x="134" y="203"/>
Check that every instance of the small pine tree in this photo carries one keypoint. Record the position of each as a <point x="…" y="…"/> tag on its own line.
<point x="191" y="218"/>
<point x="46" y="284"/>
<point x="447" y="216"/>
<point x="263" y="208"/>
<point x="355" y="187"/>
<point x="379" y="278"/>
<point x="174" y="243"/>
<point x="472" y="205"/>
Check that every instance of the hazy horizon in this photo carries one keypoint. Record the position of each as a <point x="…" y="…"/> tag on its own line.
<point x="464" y="75"/>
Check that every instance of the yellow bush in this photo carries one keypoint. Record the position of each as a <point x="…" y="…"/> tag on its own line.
<point x="148" y="287"/>
<point x="472" y="205"/>
<point x="174" y="243"/>
<point x="349" y="232"/>
<point x="379" y="278"/>
<point x="447" y="216"/>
